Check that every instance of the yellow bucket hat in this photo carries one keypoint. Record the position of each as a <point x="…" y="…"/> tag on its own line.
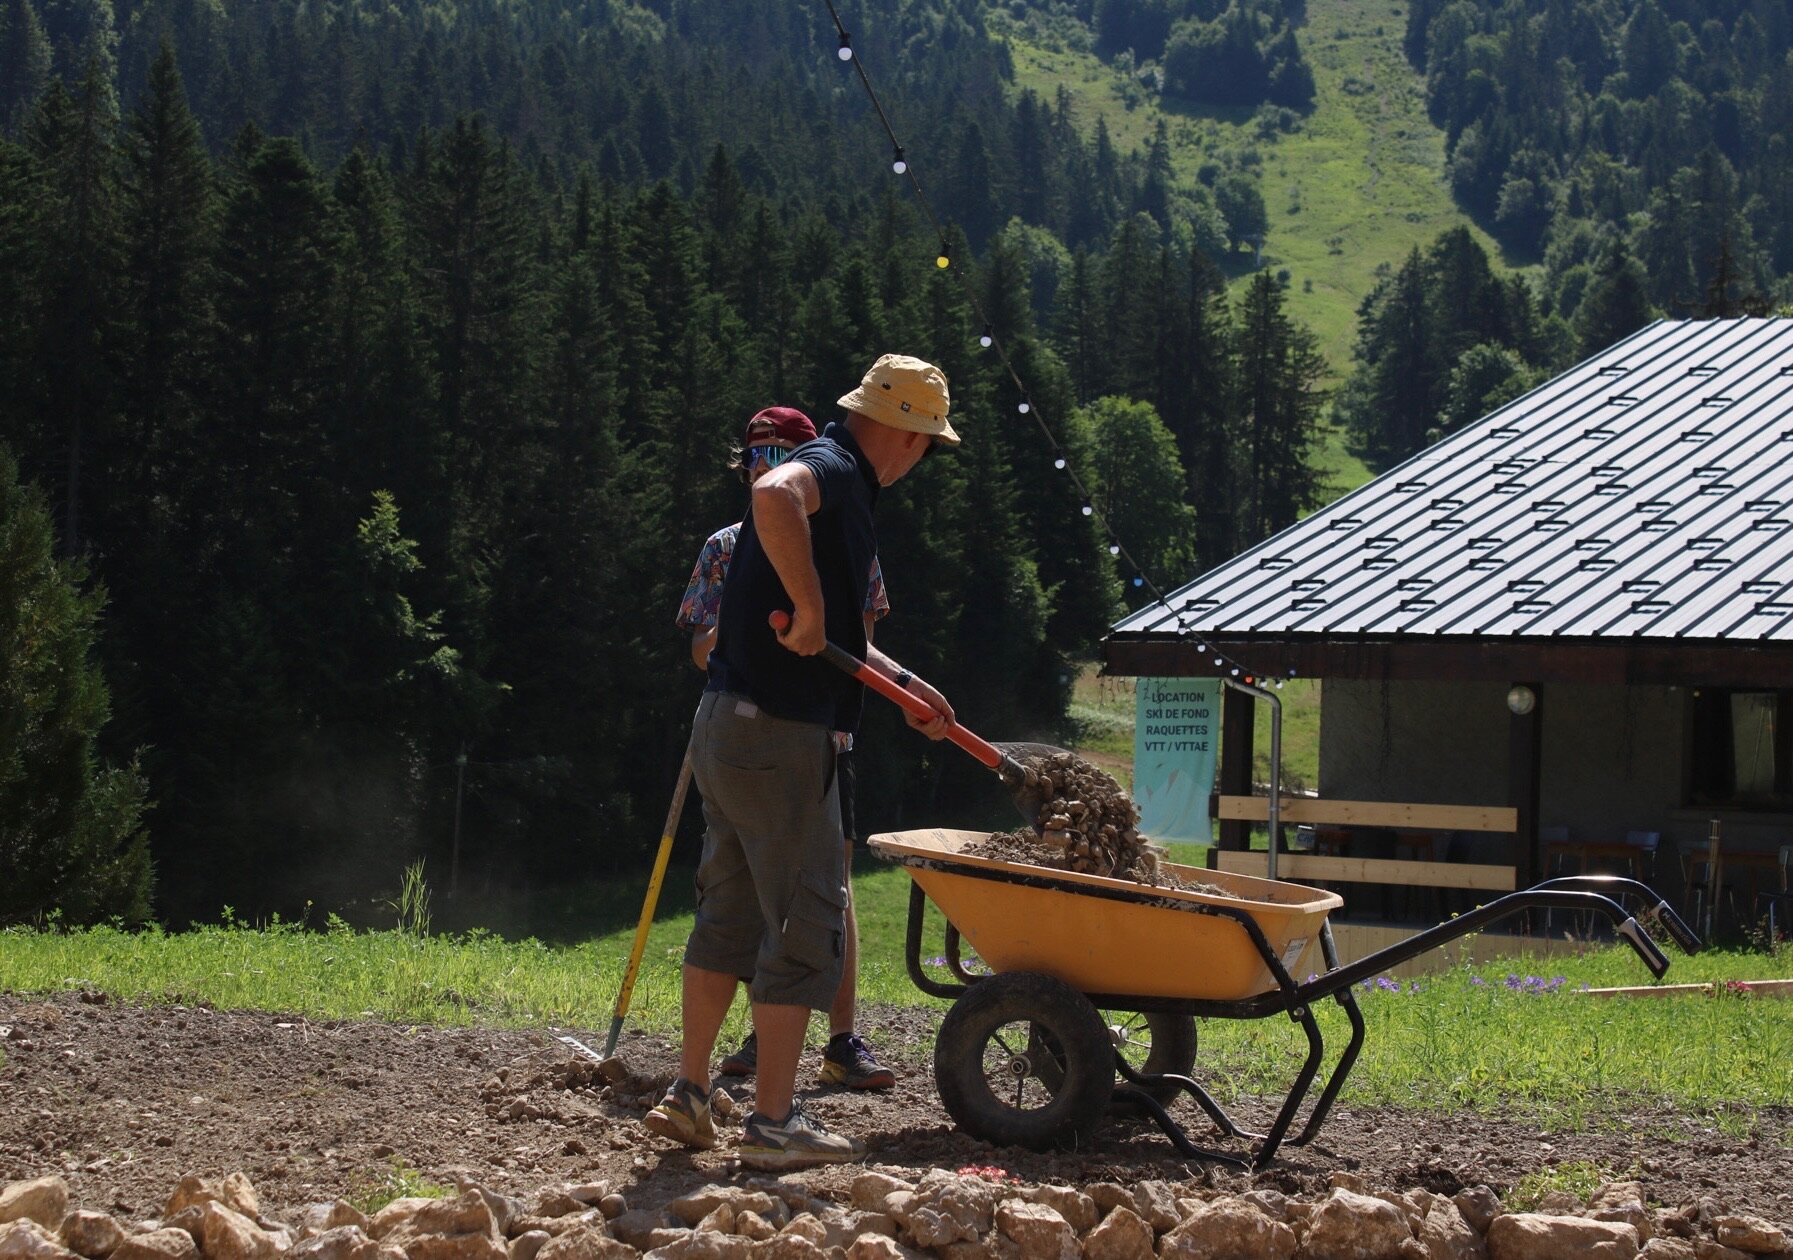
<point x="904" y="393"/>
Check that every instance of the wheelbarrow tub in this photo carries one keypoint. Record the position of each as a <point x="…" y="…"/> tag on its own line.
<point x="1104" y="935"/>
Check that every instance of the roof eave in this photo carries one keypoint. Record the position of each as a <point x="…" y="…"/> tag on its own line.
<point x="1639" y="660"/>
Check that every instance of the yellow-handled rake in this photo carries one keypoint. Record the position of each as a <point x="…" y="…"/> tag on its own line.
<point x="647" y="907"/>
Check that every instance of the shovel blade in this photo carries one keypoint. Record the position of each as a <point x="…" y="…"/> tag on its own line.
<point x="1027" y="799"/>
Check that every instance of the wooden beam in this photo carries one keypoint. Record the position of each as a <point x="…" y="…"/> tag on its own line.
<point x="1525" y="752"/>
<point x="1238" y="716"/>
<point x="1301" y="868"/>
<point x="1304" y="809"/>
<point x="1750" y="988"/>
<point x="1740" y="663"/>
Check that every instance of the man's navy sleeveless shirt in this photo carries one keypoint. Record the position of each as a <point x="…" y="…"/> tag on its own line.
<point x="748" y="659"/>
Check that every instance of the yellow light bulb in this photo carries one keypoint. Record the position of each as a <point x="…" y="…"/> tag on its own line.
<point x="943" y="262"/>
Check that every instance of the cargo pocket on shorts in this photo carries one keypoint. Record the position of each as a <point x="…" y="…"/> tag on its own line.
<point x="815" y="924"/>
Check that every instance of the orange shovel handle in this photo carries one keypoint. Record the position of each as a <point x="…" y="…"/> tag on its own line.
<point x="841" y="659"/>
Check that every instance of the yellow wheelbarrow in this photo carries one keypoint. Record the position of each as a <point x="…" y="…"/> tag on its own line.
<point x="1025" y="1056"/>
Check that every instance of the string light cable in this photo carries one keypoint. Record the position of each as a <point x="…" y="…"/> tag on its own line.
<point x="904" y="168"/>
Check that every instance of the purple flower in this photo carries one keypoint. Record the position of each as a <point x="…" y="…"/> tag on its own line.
<point x="1514" y="983"/>
<point x="1477" y="981"/>
<point x="1387" y="985"/>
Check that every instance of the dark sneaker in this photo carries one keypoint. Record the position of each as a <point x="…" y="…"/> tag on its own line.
<point x="798" y="1142"/>
<point x="743" y="1061"/>
<point x="849" y="1061"/>
<point x="684" y="1116"/>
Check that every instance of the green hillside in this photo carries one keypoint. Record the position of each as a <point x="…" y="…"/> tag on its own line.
<point x="1357" y="184"/>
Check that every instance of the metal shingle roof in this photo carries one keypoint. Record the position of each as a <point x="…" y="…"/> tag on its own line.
<point x="1646" y="492"/>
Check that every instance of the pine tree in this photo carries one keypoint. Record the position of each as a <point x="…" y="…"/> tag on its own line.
<point x="21" y="202"/>
<point x="1616" y="304"/>
<point x="382" y="391"/>
<point x="1392" y="396"/>
<point x="73" y="139"/>
<point x="277" y="269"/>
<point x="1279" y="371"/>
<point x="71" y="830"/>
<point x="169" y="228"/>
<point x="24" y="63"/>
<point x="480" y="318"/>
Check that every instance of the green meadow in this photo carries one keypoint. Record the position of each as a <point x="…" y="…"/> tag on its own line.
<point x="1492" y="1033"/>
<point x="1351" y="190"/>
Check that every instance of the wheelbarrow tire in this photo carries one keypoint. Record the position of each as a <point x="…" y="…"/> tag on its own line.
<point x="1069" y="1099"/>
<point x="1171" y="1053"/>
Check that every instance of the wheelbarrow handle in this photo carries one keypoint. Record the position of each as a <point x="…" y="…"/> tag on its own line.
<point x="910" y="703"/>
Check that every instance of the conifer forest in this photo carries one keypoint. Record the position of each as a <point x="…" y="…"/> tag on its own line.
<point x="369" y="374"/>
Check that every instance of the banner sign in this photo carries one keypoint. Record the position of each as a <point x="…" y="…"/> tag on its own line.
<point x="1176" y="728"/>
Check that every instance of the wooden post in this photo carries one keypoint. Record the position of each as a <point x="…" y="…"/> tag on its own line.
<point x="1238" y="714"/>
<point x="1524" y="749"/>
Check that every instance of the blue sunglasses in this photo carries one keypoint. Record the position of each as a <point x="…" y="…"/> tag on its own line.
<point x="770" y="456"/>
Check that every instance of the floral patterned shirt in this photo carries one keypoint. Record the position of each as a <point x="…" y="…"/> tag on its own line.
<point x="703" y="596"/>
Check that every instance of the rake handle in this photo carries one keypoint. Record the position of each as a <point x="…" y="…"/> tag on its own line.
<point x="986" y="753"/>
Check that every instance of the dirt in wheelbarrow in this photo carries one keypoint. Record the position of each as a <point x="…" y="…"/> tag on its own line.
<point x="122" y="1100"/>
<point x="1085" y="822"/>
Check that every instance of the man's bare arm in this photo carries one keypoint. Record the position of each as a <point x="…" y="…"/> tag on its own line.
<point x="934" y="728"/>
<point x="783" y="501"/>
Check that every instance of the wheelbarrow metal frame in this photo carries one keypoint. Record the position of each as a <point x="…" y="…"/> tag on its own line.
<point x="1597" y="894"/>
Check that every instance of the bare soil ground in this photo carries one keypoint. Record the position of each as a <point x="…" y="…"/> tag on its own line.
<point x="123" y="1100"/>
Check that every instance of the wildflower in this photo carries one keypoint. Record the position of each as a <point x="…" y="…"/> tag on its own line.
<point x="1387" y="985"/>
<point x="1478" y="982"/>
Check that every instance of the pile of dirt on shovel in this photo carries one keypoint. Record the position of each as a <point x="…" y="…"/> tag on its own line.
<point x="1086" y="823"/>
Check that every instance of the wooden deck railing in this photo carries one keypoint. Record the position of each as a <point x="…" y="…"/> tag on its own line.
<point x="1302" y="867"/>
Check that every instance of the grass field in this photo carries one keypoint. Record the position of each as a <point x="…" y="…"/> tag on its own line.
<point x="1353" y="189"/>
<point x="1484" y="1035"/>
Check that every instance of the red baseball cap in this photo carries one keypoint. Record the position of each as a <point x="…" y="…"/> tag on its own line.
<point x="784" y="424"/>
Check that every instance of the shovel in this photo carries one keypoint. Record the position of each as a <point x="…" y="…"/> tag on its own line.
<point x="1008" y="760"/>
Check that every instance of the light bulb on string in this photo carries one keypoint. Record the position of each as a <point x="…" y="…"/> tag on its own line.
<point x="897" y="163"/>
<point x="1235" y="671"/>
<point x="943" y="262"/>
<point x="988" y="339"/>
<point x="1218" y="661"/>
<point x="1089" y="509"/>
<point x="1059" y="463"/>
<point x="1024" y="407"/>
<point x="1139" y="581"/>
<point x="1114" y="549"/>
<point x="845" y="52"/>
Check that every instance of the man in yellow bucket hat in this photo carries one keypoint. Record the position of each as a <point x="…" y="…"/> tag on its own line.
<point x="771" y="885"/>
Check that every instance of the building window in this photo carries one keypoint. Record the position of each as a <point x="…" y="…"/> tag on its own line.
<point x="1742" y="749"/>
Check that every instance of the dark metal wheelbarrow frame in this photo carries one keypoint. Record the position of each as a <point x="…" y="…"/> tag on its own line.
<point x="1605" y="895"/>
